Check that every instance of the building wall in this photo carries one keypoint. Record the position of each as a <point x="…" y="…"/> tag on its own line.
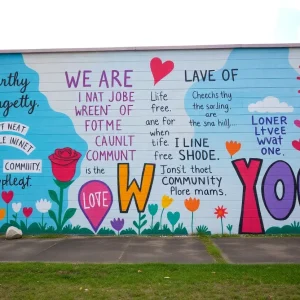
<point x="151" y="142"/>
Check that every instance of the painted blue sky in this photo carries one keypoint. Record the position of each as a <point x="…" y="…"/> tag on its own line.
<point x="40" y="126"/>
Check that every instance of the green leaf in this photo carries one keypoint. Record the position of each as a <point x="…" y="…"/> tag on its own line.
<point x="53" y="196"/>
<point x="53" y="216"/>
<point x="143" y="217"/>
<point x="136" y="224"/>
<point x="144" y="223"/>
<point x="23" y="226"/>
<point x="63" y="185"/>
<point x="70" y="212"/>
<point x="14" y="223"/>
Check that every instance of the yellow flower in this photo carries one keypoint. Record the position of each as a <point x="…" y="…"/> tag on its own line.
<point x="166" y="201"/>
<point x="2" y="213"/>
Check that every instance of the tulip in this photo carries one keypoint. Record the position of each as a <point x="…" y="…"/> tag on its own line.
<point x="233" y="147"/>
<point x="153" y="208"/>
<point x="7" y="197"/>
<point x="16" y="208"/>
<point x="166" y="201"/>
<point x="192" y="205"/>
<point x="43" y="206"/>
<point x="117" y="224"/>
<point x="27" y="211"/>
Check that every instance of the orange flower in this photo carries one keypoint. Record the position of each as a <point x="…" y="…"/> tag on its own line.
<point x="220" y="212"/>
<point x="2" y="213"/>
<point x="233" y="147"/>
<point x="192" y="204"/>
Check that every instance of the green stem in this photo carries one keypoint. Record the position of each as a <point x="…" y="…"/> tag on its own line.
<point x="152" y="223"/>
<point x="42" y="220"/>
<point x="173" y="228"/>
<point x="192" y="222"/>
<point x="222" y="224"/>
<point x="16" y="217"/>
<point x="7" y="212"/>
<point x="26" y="222"/>
<point x="139" y="229"/>
<point x="61" y="197"/>
<point x="160" y="225"/>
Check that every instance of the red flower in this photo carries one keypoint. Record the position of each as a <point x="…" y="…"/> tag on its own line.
<point x="27" y="211"/>
<point x="64" y="163"/>
<point x="7" y="196"/>
<point x="220" y="212"/>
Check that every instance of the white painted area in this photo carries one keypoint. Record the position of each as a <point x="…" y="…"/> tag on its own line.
<point x="22" y="166"/>
<point x="17" y="142"/>
<point x="270" y="104"/>
<point x="14" y="127"/>
<point x="52" y="68"/>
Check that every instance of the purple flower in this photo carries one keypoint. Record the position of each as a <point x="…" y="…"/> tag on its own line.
<point x="117" y="224"/>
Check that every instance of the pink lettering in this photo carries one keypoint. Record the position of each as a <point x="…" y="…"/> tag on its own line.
<point x="250" y="220"/>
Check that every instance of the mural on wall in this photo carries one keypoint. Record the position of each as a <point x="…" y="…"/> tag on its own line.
<point x="151" y="142"/>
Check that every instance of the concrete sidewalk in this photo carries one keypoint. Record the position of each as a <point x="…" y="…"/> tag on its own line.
<point x="106" y="250"/>
<point x="182" y="250"/>
<point x="260" y="250"/>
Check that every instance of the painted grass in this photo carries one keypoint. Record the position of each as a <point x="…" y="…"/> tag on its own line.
<point x="148" y="281"/>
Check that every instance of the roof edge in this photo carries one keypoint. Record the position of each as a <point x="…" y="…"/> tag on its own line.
<point x="151" y="48"/>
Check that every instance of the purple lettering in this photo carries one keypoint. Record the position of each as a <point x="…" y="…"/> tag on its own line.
<point x="86" y="78"/>
<point x="72" y="81"/>
<point x="114" y="77"/>
<point x="279" y="208"/>
<point x="298" y="189"/>
<point x="103" y="78"/>
<point x="126" y="77"/>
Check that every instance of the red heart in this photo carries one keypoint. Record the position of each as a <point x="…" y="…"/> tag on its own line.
<point x="159" y="69"/>
<point x="7" y="196"/>
<point x="297" y="123"/>
<point x="296" y="144"/>
<point x="27" y="211"/>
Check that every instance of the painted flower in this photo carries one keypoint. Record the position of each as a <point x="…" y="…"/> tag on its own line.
<point x="27" y="211"/>
<point x="2" y="213"/>
<point x="153" y="208"/>
<point x="117" y="224"/>
<point x="43" y="206"/>
<point x="16" y="207"/>
<point x="233" y="147"/>
<point x="7" y="196"/>
<point x="166" y="201"/>
<point x="64" y="163"/>
<point x="192" y="204"/>
<point x="220" y="212"/>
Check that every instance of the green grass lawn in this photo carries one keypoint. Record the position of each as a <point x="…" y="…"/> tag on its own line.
<point x="148" y="281"/>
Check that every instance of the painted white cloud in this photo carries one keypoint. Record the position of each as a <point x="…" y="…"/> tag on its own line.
<point x="270" y="105"/>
